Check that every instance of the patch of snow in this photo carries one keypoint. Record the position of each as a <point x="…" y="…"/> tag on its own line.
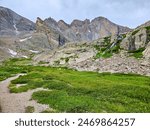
<point x="25" y="57"/>
<point x="77" y="33"/>
<point x="16" y="29"/>
<point x="89" y="31"/>
<point x="20" y="85"/>
<point x="109" y="48"/>
<point x="113" y="45"/>
<point x="13" y="53"/>
<point x="25" y="39"/>
<point x="33" y="51"/>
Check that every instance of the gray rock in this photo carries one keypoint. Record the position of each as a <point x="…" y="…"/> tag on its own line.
<point x="11" y="23"/>
<point x="146" y="53"/>
<point x="83" y="30"/>
<point x="135" y="40"/>
<point x="51" y="32"/>
<point x="127" y="42"/>
<point x="141" y="38"/>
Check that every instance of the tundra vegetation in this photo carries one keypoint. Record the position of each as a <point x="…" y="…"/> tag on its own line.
<point x="68" y="90"/>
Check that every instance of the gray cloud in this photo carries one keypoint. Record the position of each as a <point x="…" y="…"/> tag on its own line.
<point x="124" y="12"/>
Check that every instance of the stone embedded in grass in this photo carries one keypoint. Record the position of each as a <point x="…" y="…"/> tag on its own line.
<point x="29" y="109"/>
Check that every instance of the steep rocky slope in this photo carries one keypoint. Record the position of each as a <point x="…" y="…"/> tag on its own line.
<point x="25" y="45"/>
<point x="51" y="33"/>
<point x="18" y="37"/>
<point x="12" y="24"/>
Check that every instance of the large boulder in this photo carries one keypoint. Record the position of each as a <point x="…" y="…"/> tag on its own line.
<point x="128" y="42"/>
<point x="135" y="40"/>
<point x="141" y="38"/>
<point x="50" y="31"/>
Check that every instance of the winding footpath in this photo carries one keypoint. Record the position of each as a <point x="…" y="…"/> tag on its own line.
<point x="16" y="103"/>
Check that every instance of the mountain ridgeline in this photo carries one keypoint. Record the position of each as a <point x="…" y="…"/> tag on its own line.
<point x="79" y="30"/>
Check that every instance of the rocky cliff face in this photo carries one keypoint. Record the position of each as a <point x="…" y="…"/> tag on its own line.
<point x="84" y="30"/>
<point x="146" y="52"/>
<point x="138" y="40"/>
<point x="12" y="24"/>
<point x="135" y="40"/>
<point x="48" y="29"/>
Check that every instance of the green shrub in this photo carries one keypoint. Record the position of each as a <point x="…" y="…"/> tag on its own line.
<point x="67" y="59"/>
<point x="137" y="53"/>
<point x="43" y="62"/>
<point x="107" y="40"/>
<point x="57" y="62"/>
<point x="29" y="109"/>
<point x="148" y="27"/>
<point x="135" y="32"/>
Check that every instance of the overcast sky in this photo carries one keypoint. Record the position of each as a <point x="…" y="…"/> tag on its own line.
<point x="129" y="13"/>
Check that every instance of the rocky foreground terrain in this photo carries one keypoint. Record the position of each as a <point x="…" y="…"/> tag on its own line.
<point x="97" y="45"/>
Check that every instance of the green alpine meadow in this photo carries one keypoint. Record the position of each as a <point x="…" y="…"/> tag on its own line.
<point x="71" y="91"/>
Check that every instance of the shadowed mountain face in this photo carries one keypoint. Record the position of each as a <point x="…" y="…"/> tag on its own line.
<point x="11" y="23"/>
<point x="85" y="30"/>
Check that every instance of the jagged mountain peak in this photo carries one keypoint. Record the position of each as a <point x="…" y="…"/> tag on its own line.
<point x="39" y="19"/>
<point x="77" y="22"/>
<point x="85" y="30"/>
<point x="63" y="25"/>
<point x="51" y="21"/>
<point x="62" y="21"/>
<point x="99" y="19"/>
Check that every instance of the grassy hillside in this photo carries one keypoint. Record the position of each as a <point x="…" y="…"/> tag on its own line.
<point x="73" y="91"/>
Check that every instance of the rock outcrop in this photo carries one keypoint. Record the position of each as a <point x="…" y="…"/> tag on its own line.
<point x="136" y="39"/>
<point x="51" y="33"/>
<point x="146" y="52"/>
<point x="146" y="24"/>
